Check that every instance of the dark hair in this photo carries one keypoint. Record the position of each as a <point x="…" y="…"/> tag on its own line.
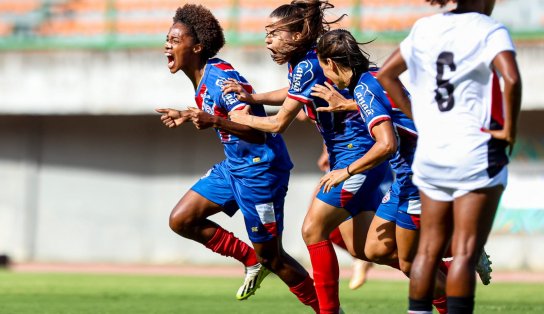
<point x="440" y="2"/>
<point x="341" y="47"/>
<point x="306" y="17"/>
<point x="203" y="27"/>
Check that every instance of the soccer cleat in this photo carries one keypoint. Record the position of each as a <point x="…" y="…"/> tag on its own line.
<point x="254" y="276"/>
<point x="483" y="268"/>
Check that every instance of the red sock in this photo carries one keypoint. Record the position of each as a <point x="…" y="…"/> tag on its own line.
<point x="326" y="273"/>
<point x="441" y="304"/>
<point x="444" y="266"/>
<point x="336" y="238"/>
<point x="305" y="292"/>
<point x="226" y="244"/>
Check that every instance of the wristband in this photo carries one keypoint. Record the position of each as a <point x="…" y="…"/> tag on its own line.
<point x="347" y="170"/>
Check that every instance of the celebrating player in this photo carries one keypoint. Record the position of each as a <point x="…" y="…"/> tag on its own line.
<point x="254" y="175"/>
<point x="465" y="125"/>
<point x="291" y="38"/>
<point x="392" y="236"/>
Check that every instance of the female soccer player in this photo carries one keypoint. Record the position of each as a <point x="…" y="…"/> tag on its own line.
<point x="394" y="231"/>
<point x="291" y="37"/>
<point x="254" y="175"/>
<point x="465" y="125"/>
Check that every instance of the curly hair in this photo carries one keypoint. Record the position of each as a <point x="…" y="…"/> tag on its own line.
<point x="306" y="17"/>
<point x="442" y="3"/>
<point x="203" y="27"/>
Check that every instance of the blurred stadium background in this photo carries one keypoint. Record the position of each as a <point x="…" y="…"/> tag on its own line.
<point x="89" y="175"/>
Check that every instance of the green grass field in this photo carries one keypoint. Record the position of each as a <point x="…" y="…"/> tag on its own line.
<point x="22" y="293"/>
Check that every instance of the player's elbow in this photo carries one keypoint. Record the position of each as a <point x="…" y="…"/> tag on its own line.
<point x="382" y="77"/>
<point x="389" y="147"/>
<point x="513" y="80"/>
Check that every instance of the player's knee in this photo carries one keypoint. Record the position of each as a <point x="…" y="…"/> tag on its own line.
<point x="405" y="266"/>
<point x="311" y="232"/>
<point x="376" y="252"/>
<point x="181" y="223"/>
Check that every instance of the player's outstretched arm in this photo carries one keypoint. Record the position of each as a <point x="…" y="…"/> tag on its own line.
<point x="173" y="118"/>
<point x="388" y="76"/>
<point x="336" y="101"/>
<point x="203" y="120"/>
<point x="272" y="98"/>
<point x="272" y="124"/>
<point x="505" y="63"/>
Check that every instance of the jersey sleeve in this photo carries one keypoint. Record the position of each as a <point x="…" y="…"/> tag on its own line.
<point x="406" y="46"/>
<point x="497" y="41"/>
<point x="372" y="107"/>
<point x="304" y="75"/>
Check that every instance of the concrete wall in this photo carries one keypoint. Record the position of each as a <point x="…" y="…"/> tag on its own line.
<point x="89" y="174"/>
<point x="83" y="188"/>
<point x="100" y="189"/>
<point x="137" y="81"/>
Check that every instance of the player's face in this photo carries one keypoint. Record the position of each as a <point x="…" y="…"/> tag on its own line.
<point x="276" y="40"/>
<point x="333" y="72"/>
<point x="178" y="47"/>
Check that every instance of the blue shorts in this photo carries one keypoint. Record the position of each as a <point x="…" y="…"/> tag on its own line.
<point x="260" y="197"/>
<point x="403" y="211"/>
<point x="360" y="192"/>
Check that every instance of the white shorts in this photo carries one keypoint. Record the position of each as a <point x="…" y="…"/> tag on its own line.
<point x="446" y="194"/>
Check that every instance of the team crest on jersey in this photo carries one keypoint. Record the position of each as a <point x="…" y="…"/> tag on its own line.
<point x="302" y="73"/>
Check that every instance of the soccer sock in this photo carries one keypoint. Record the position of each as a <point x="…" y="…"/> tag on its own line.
<point x="326" y="273"/>
<point x="336" y="238"/>
<point x="305" y="292"/>
<point x="420" y="306"/>
<point x="226" y="244"/>
<point x="460" y="305"/>
<point x="444" y="266"/>
<point x="440" y="303"/>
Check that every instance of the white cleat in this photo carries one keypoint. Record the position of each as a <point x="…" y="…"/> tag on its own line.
<point x="254" y="276"/>
<point x="483" y="268"/>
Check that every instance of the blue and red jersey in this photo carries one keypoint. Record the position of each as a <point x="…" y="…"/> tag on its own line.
<point x="375" y="106"/>
<point x="240" y="154"/>
<point x="344" y="133"/>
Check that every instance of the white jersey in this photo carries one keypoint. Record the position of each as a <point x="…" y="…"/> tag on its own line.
<point x="455" y="93"/>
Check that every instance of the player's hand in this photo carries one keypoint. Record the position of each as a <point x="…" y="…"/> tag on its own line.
<point x="240" y="116"/>
<point x="233" y="86"/>
<point x="332" y="179"/>
<point x="201" y="119"/>
<point x="509" y="137"/>
<point x="173" y="118"/>
<point x="336" y="101"/>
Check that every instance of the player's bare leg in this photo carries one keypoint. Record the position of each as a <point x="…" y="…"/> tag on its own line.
<point x="474" y="214"/>
<point x="272" y="256"/>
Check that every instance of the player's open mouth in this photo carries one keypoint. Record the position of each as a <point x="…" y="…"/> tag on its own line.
<point x="170" y="58"/>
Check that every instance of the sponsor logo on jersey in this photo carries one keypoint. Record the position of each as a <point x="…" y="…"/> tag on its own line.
<point x="362" y="93"/>
<point x="304" y="70"/>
